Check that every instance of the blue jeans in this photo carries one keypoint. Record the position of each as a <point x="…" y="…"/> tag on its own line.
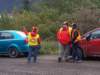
<point x="33" y="53"/>
<point x="76" y="52"/>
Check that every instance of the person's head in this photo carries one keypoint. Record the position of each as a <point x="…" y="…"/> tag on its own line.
<point x="64" y="27"/>
<point x="65" y="23"/>
<point x="24" y="28"/>
<point x="74" y="26"/>
<point x="34" y="29"/>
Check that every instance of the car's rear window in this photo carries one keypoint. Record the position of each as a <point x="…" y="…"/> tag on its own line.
<point x="21" y="34"/>
<point x="6" y="35"/>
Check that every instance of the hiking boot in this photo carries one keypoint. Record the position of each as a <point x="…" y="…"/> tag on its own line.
<point x="79" y="61"/>
<point x="68" y="58"/>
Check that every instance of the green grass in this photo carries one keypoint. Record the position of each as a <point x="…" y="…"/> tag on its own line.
<point x="49" y="47"/>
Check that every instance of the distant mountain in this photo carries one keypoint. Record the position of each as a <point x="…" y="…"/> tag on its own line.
<point x="8" y="5"/>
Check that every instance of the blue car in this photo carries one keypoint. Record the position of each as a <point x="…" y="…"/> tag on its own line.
<point x="13" y="43"/>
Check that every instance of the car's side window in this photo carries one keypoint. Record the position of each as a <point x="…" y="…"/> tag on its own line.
<point x="6" y="35"/>
<point x="95" y="35"/>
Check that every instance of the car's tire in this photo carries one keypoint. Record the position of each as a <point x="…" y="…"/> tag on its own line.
<point x="12" y="52"/>
<point x="25" y="54"/>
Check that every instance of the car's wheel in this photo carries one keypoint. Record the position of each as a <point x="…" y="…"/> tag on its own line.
<point x="12" y="52"/>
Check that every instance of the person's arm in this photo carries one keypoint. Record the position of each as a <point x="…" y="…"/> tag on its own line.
<point x="39" y="40"/>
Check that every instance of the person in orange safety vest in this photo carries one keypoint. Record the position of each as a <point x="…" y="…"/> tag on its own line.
<point x="63" y="37"/>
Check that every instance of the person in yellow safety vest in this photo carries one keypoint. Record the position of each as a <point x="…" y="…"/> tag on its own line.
<point x="34" y="45"/>
<point x="75" y="38"/>
<point x="78" y="38"/>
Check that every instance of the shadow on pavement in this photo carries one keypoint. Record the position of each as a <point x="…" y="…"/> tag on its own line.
<point x="6" y="56"/>
<point x="86" y="59"/>
<point x="92" y="59"/>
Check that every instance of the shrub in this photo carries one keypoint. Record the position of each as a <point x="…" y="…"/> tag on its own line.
<point x="49" y="47"/>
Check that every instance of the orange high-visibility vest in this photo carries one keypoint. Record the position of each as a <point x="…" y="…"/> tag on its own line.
<point x="69" y="30"/>
<point x="63" y="37"/>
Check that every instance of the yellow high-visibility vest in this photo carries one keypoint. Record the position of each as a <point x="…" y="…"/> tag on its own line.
<point x="33" y="40"/>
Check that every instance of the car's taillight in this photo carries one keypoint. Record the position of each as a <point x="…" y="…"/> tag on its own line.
<point x="26" y="40"/>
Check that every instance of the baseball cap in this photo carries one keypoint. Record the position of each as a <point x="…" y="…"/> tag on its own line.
<point x="65" y="23"/>
<point x="74" y="25"/>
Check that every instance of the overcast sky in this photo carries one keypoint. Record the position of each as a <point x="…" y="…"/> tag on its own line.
<point x="8" y="4"/>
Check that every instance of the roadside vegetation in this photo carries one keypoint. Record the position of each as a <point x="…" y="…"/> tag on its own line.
<point x="48" y="15"/>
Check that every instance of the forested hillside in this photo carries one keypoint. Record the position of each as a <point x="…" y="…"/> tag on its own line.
<point x="48" y="15"/>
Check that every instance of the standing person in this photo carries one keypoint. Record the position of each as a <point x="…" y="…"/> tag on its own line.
<point x="63" y="38"/>
<point x="34" y="44"/>
<point x="24" y="30"/>
<point x="75" y="37"/>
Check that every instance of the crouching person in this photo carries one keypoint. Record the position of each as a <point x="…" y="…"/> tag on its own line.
<point x="34" y="45"/>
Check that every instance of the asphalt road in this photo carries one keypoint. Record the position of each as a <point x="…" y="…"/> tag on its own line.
<point x="48" y="65"/>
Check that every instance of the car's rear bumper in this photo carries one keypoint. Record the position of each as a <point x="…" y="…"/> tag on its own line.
<point x="24" y="48"/>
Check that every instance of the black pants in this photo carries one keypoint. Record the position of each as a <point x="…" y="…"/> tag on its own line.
<point x="76" y="52"/>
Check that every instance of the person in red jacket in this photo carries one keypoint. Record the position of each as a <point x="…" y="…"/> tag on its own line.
<point x="63" y="37"/>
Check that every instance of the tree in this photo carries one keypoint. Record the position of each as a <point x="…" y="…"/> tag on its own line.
<point x="27" y="5"/>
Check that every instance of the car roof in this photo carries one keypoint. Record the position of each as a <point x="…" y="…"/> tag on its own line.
<point x="9" y="31"/>
<point x="19" y="33"/>
<point x="94" y="30"/>
<point x="91" y="31"/>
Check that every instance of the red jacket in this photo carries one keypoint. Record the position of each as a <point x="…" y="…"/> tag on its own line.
<point x="63" y="36"/>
